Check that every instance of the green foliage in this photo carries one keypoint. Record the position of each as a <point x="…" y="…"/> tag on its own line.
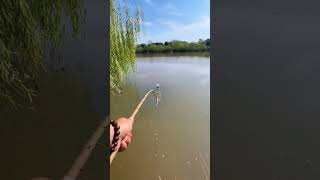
<point x="26" y="27"/>
<point x="174" y="46"/>
<point x="124" y="31"/>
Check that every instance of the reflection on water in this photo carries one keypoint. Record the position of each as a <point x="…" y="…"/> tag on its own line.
<point x="172" y="140"/>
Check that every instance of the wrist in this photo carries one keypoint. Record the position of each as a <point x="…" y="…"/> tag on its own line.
<point x="114" y="136"/>
<point x="111" y="134"/>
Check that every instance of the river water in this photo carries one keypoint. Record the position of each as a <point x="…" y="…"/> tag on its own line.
<point x="172" y="140"/>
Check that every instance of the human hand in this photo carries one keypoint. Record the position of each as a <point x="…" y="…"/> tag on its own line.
<point x="125" y="142"/>
<point x="125" y="132"/>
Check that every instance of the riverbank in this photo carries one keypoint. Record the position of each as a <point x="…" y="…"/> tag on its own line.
<point x="174" y="54"/>
<point x="174" y="46"/>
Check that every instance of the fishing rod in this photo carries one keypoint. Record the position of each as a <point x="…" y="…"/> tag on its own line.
<point x="78" y="164"/>
<point x="156" y="93"/>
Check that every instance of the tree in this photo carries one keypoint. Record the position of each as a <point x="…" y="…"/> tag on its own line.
<point x="207" y="42"/>
<point x="124" y="31"/>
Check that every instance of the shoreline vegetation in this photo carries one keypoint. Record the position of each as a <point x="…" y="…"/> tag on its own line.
<point x="174" y="47"/>
<point x="174" y="54"/>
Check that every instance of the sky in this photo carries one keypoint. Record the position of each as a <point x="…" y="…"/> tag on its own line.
<point x="166" y="20"/>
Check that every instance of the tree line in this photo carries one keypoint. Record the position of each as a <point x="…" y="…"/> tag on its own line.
<point x="174" y="46"/>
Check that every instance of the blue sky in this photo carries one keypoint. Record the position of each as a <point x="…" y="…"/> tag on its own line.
<point x="166" y="20"/>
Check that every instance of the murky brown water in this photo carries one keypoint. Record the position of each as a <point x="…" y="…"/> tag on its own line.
<point x="171" y="141"/>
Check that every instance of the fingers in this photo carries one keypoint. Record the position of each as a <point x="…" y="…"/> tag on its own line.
<point x="129" y="134"/>
<point x="125" y="126"/>
<point x="128" y="139"/>
<point x="125" y="142"/>
<point x="125" y="132"/>
<point x="123" y="146"/>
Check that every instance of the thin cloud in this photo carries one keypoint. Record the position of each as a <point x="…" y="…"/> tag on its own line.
<point x="147" y="23"/>
<point x="190" y="32"/>
<point x="175" y="13"/>
<point x="172" y="9"/>
<point x="149" y="2"/>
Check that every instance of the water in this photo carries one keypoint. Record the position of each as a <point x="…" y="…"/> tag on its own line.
<point x="71" y="102"/>
<point x="172" y="140"/>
